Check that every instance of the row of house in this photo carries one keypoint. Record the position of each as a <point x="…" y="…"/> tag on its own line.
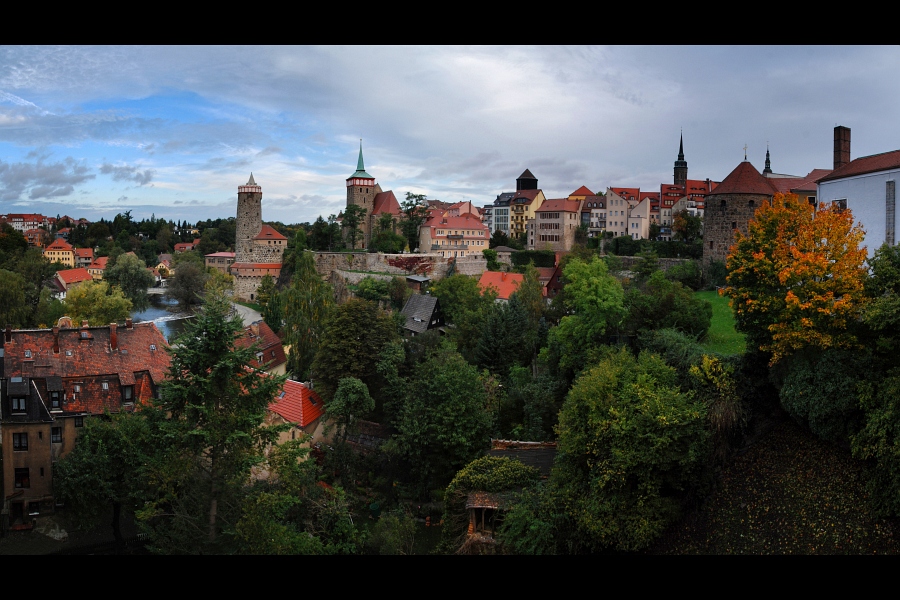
<point x="52" y="380"/>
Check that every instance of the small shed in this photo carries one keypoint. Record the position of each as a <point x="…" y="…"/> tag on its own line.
<point x="422" y="313"/>
<point x="417" y="282"/>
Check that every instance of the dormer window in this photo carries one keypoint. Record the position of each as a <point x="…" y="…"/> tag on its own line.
<point x="17" y="404"/>
<point x="127" y="394"/>
<point x="28" y="354"/>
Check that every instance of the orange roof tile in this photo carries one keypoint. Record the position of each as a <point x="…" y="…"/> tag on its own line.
<point x="745" y="179"/>
<point x="296" y="403"/>
<point x="866" y="164"/>
<point x="504" y="283"/>
<point x="60" y="244"/>
<point x="267" y="232"/>
<point x="269" y="345"/>
<point x="385" y="202"/>
<point x="560" y="205"/>
<point x="70" y="276"/>
<point x="582" y="191"/>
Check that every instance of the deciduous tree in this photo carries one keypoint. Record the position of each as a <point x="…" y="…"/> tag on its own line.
<point x="97" y="303"/>
<point x="130" y="274"/>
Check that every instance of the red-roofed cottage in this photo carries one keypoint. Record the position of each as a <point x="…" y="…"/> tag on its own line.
<point x="300" y="407"/>
<point x="504" y="283"/>
<point x="270" y="354"/>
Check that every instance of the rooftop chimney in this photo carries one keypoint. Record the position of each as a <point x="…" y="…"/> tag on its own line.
<point x="8" y="333"/>
<point x="841" y="146"/>
<point x="129" y="324"/>
<point x="84" y="323"/>
<point x="56" y="340"/>
<point x="113" y="336"/>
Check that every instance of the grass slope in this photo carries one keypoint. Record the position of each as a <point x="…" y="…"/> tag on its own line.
<point x="722" y="337"/>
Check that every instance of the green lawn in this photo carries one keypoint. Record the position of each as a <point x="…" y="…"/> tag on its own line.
<point x="722" y="337"/>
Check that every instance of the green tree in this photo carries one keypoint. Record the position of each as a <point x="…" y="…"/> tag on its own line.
<point x="354" y="335"/>
<point x="498" y="238"/>
<point x="186" y="286"/>
<point x="465" y="306"/>
<point x="415" y="211"/>
<point x="265" y="291"/>
<point x="305" y="305"/>
<point x="105" y="469"/>
<point x="351" y="402"/>
<point x="97" y="303"/>
<point x="354" y="216"/>
<point x="216" y="407"/>
<point x="664" y="304"/>
<point x="686" y="226"/>
<point x="631" y="446"/>
<point x="443" y="424"/>
<point x="13" y="309"/>
<point x="130" y="275"/>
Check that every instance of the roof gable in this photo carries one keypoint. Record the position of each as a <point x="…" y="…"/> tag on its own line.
<point x="505" y="283"/>
<point x="296" y="403"/>
<point x="745" y="179"/>
<point x="267" y="232"/>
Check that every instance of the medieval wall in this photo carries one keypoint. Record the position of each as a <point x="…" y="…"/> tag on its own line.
<point x="724" y="215"/>
<point x="629" y="262"/>
<point x="431" y="265"/>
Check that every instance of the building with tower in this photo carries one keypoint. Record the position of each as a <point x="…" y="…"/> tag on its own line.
<point x="258" y="248"/>
<point x="362" y="191"/>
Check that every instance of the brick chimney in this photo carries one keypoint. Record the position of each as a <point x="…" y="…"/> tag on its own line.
<point x="56" y="340"/>
<point x="129" y="324"/>
<point x="841" y="146"/>
<point x="8" y="333"/>
<point x="113" y="336"/>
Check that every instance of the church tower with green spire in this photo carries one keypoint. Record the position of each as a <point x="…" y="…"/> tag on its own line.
<point x="361" y="186"/>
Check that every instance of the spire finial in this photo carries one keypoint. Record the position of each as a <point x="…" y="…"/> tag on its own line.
<point x="252" y="181"/>
<point x="768" y="168"/>
<point x="359" y="164"/>
<point x="745" y="152"/>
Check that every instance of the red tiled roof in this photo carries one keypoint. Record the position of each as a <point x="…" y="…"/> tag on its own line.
<point x="267" y="232"/>
<point x="529" y="195"/>
<point x="70" y="276"/>
<point x="582" y="191"/>
<point x="220" y="255"/>
<point x="866" y="164"/>
<point x="88" y="361"/>
<point x="625" y="192"/>
<point x="559" y="205"/>
<point x="99" y="263"/>
<point x="745" y="179"/>
<point x="385" y="202"/>
<point x="183" y="247"/>
<point x="463" y="221"/>
<point x="296" y="403"/>
<point x="269" y="345"/>
<point x="60" y="244"/>
<point x="504" y="283"/>
<point x="84" y="253"/>
<point x="239" y="266"/>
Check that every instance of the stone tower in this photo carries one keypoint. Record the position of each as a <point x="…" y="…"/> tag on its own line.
<point x="729" y="209"/>
<point x="681" y="168"/>
<point x="248" y="221"/>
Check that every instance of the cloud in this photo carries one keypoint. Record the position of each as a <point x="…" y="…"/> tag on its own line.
<point x="126" y="173"/>
<point x="41" y="179"/>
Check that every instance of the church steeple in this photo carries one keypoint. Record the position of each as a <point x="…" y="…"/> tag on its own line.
<point x="768" y="168"/>
<point x="360" y="168"/>
<point x="681" y="167"/>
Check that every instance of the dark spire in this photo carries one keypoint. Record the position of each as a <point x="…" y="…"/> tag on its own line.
<point x="768" y="168"/>
<point x="681" y="167"/>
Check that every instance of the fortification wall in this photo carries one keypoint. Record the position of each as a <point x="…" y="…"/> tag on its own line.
<point x="628" y="262"/>
<point x="430" y="265"/>
<point x="725" y="215"/>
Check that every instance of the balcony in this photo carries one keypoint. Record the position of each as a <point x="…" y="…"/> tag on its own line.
<point x="455" y="237"/>
<point x="453" y="247"/>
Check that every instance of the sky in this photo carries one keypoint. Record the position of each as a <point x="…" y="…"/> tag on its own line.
<point x="173" y="131"/>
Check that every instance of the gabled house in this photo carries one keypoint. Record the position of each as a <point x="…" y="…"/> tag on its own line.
<point x="60" y="251"/>
<point x="97" y="267"/>
<point x="422" y="313"/>
<point x="84" y="257"/>
<point x="66" y="279"/>
<point x="504" y="283"/>
<point x="50" y="381"/>
<point x="270" y="356"/>
<point x="300" y="407"/>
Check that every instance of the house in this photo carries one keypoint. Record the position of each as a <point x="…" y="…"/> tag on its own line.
<point x="50" y="381"/>
<point x="60" y="251"/>
<point x="505" y="284"/>
<point x="422" y="313"/>
<point x="37" y="238"/>
<point x="866" y="186"/>
<point x="220" y="260"/>
<point x="270" y="355"/>
<point x="454" y="236"/>
<point x="554" y="225"/>
<point x="301" y="408"/>
<point x="67" y="279"/>
<point x="97" y="267"/>
<point x="84" y="257"/>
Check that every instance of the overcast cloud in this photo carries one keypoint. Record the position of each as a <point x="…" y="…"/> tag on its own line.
<point x="176" y="130"/>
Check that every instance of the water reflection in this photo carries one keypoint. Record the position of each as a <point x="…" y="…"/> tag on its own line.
<point x="164" y="312"/>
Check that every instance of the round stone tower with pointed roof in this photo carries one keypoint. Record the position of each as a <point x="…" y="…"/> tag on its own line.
<point x="729" y="209"/>
<point x="258" y="248"/>
<point x="248" y="221"/>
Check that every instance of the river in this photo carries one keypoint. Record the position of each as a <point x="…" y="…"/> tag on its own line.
<point x="170" y="322"/>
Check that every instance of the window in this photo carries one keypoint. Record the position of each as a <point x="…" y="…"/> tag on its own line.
<point x="127" y="394"/>
<point x="20" y="442"/>
<point x="79" y="421"/>
<point x="18" y="404"/>
<point x="841" y="204"/>
<point x="77" y="388"/>
<point x="105" y="385"/>
<point x="34" y="509"/>
<point x="56" y="435"/>
<point x="55" y="403"/>
<point x="22" y="479"/>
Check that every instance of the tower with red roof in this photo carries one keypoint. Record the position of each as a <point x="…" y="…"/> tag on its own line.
<point x="258" y="248"/>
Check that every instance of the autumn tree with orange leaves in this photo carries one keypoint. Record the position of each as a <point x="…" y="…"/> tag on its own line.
<point x="796" y="279"/>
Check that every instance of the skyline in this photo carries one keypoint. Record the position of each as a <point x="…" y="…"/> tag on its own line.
<point x="91" y="132"/>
